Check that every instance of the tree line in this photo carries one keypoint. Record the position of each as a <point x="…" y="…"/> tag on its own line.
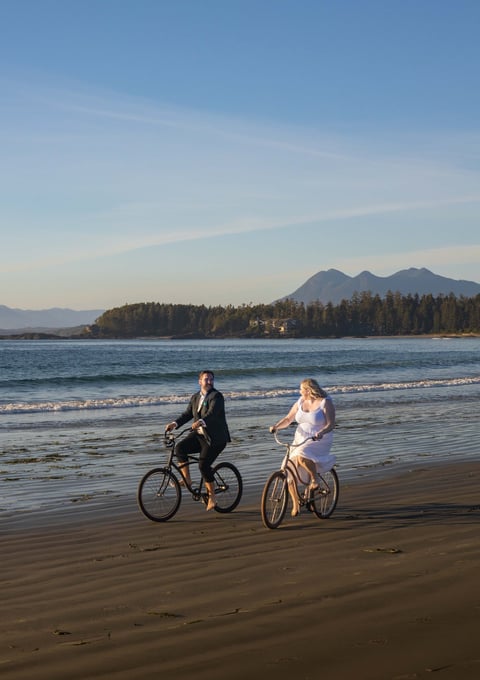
<point x="364" y="314"/>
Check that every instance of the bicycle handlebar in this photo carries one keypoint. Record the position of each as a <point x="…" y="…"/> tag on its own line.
<point x="287" y="444"/>
<point x="169" y="437"/>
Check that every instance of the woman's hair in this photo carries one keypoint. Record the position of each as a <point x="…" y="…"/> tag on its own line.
<point x="315" y="389"/>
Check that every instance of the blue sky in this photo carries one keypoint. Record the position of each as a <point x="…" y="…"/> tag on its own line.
<point x="224" y="151"/>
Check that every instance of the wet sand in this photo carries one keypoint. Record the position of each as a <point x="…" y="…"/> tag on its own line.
<point x="387" y="588"/>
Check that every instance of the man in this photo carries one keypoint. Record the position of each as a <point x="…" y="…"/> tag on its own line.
<point x="209" y="434"/>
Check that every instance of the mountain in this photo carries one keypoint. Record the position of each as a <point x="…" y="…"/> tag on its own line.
<point x="21" y="319"/>
<point x="334" y="286"/>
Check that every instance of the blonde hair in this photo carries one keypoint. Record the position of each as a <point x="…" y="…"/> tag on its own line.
<point x="314" y="388"/>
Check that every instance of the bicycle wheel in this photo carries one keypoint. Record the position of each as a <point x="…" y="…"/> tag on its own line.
<point x="274" y="499"/>
<point x="325" y="499"/>
<point x="159" y="495"/>
<point x="228" y="487"/>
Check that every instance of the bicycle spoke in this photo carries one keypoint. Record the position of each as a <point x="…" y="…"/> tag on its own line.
<point x="274" y="500"/>
<point x="228" y="487"/>
<point x="325" y="498"/>
<point x="159" y="495"/>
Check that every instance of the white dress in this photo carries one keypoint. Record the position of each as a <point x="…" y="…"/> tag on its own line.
<point x="309" y="423"/>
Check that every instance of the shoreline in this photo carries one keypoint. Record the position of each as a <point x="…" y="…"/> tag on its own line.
<point x="106" y="506"/>
<point x="196" y="338"/>
<point x="386" y="588"/>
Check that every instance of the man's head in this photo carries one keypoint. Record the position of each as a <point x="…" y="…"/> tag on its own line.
<point x="205" y="380"/>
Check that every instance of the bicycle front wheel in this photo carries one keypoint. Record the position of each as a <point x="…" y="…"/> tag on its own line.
<point x="159" y="495"/>
<point x="325" y="499"/>
<point x="228" y="487"/>
<point x="274" y="499"/>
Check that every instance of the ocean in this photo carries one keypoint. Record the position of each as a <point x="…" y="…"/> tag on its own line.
<point x="82" y="421"/>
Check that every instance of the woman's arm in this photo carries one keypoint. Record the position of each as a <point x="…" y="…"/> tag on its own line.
<point x="329" y="419"/>
<point x="287" y="420"/>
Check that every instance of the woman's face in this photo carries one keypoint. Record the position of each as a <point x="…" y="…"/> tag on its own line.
<point x="305" y="391"/>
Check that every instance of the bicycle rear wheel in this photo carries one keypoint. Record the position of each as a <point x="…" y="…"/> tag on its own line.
<point x="324" y="500"/>
<point x="228" y="487"/>
<point x="274" y="499"/>
<point x="159" y="495"/>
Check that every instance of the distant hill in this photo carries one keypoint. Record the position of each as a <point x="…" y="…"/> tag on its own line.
<point x="334" y="286"/>
<point x="22" y="319"/>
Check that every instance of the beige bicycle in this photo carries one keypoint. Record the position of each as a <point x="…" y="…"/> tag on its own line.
<point x="322" y="501"/>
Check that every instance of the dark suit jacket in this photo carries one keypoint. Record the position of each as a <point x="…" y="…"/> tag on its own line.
<point x="212" y="412"/>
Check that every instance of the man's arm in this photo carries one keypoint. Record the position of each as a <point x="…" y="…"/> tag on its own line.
<point x="184" y="417"/>
<point x="215" y="407"/>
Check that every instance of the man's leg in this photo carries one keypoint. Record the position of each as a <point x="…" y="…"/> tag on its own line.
<point x="208" y="455"/>
<point x="187" y="446"/>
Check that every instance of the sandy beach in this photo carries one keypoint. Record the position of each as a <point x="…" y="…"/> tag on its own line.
<point x="385" y="589"/>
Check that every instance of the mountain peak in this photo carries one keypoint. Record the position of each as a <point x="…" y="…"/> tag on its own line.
<point x="334" y="286"/>
<point x="55" y="317"/>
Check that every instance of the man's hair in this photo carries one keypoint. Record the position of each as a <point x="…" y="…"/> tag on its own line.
<point x="203" y="373"/>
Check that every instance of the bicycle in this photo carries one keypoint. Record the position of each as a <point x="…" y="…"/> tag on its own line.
<point x="159" y="492"/>
<point x="321" y="501"/>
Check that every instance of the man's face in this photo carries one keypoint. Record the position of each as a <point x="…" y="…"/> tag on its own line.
<point x="206" y="382"/>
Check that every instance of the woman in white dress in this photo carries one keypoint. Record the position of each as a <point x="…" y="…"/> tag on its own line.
<point x="315" y="414"/>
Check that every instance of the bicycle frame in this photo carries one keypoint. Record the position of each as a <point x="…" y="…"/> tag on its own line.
<point x="321" y="500"/>
<point x="290" y="469"/>
<point x="170" y="441"/>
<point x="159" y="491"/>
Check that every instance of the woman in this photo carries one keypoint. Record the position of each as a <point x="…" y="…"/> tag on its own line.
<point x="315" y="414"/>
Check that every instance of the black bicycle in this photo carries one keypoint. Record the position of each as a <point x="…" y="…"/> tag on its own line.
<point x="160" y="490"/>
<point x="321" y="501"/>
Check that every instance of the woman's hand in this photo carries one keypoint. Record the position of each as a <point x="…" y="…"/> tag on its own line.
<point x="272" y="429"/>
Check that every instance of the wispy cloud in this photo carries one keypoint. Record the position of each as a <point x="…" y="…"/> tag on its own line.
<point x="136" y="243"/>
<point x="88" y="177"/>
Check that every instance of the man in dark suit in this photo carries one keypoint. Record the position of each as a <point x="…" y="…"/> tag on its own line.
<point x="209" y="434"/>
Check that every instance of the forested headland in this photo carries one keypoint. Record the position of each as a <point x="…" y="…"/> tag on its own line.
<point x="363" y="315"/>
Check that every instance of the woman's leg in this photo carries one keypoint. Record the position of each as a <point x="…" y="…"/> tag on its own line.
<point x="292" y="490"/>
<point x="311" y="468"/>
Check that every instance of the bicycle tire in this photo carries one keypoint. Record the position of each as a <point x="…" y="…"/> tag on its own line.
<point x="274" y="499"/>
<point x="228" y="487"/>
<point x="159" y="495"/>
<point x="325" y="500"/>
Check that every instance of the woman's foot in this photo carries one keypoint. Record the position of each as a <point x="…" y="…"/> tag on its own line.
<point x="295" y="511"/>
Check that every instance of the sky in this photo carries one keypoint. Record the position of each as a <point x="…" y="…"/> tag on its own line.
<point x="222" y="152"/>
